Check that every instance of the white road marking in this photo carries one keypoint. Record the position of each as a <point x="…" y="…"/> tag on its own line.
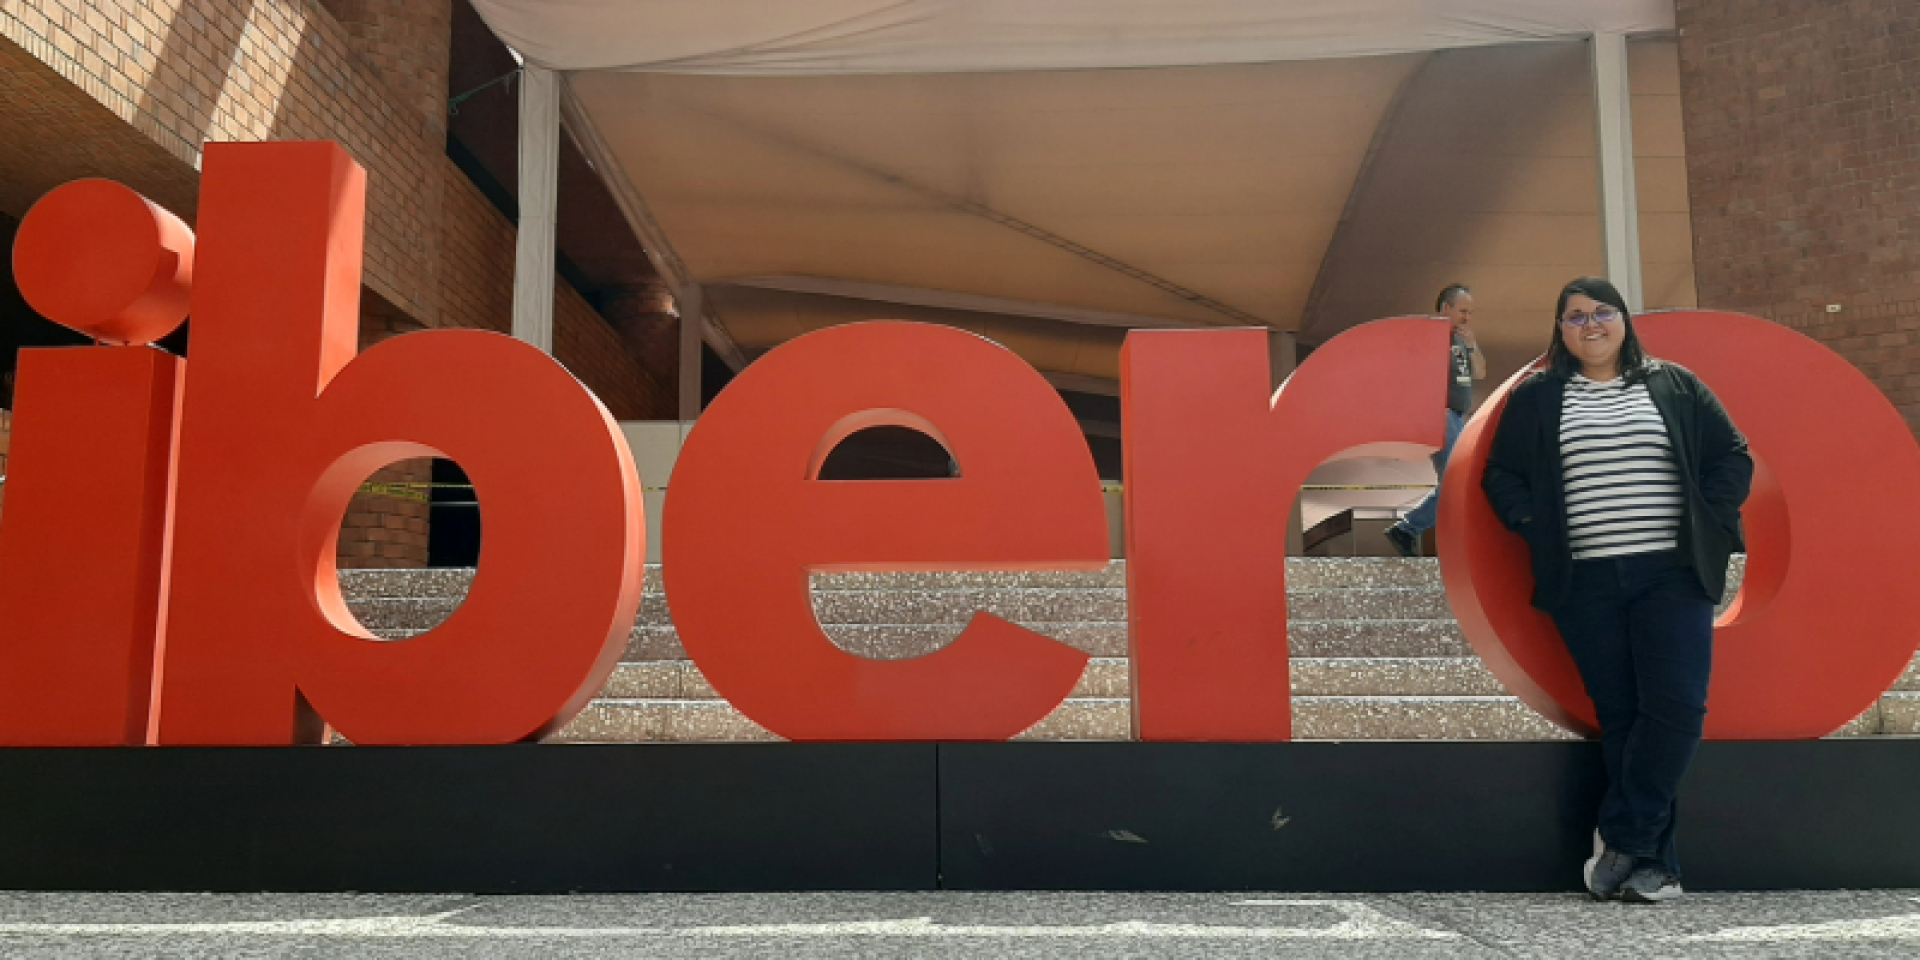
<point x="1360" y="922"/>
<point x="1877" y="928"/>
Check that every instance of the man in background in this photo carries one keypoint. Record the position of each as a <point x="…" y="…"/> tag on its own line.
<point x="1464" y="366"/>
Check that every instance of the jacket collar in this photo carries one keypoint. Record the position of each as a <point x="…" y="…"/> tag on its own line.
<point x="1663" y="386"/>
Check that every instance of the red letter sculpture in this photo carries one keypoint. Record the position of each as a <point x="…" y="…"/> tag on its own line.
<point x="279" y="429"/>
<point x="747" y="520"/>
<point x="1213" y="467"/>
<point x="1821" y="627"/>
<point x="83" y="549"/>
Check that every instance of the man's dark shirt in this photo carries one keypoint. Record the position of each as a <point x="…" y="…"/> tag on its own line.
<point x="1459" y="378"/>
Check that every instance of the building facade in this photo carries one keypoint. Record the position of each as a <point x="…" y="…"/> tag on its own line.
<point x="130" y="90"/>
<point x="1803" y="160"/>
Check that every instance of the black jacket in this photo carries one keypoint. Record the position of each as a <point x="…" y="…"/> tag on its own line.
<point x="1524" y="483"/>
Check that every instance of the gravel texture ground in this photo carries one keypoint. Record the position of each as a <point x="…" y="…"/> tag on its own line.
<point x="1825" y="925"/>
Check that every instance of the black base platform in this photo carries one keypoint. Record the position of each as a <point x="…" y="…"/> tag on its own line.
<point x="1077" y="816"/>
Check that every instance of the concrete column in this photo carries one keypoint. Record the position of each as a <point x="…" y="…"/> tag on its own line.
<point x="1619" y="200"/>
<point x="693" y="308"/>
<point x="539" y="198"/>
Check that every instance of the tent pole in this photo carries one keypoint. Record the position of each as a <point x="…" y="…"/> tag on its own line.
<point x="533" y="265"/>
<point x="1619" y="199"/>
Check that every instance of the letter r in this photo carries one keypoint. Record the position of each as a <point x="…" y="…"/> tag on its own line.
<point x="1212" y="469"/>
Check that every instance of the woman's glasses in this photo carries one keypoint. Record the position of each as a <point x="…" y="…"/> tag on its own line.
<point x="1602" y="315"/>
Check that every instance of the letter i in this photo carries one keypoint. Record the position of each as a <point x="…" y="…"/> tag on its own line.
<point x="84" y="539"/>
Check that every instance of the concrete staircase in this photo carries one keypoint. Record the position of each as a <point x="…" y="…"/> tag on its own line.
<point x="1376" y="652"/>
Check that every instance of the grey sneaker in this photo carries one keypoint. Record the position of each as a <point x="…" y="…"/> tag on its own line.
<point x="1606" y="870"/>
<point x="1651" y="884"/>
<point x="1403" y="540"/>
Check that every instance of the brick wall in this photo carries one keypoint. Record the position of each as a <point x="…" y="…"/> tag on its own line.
<point x="595" y="353"/>
<point x="56" y="132"/>
<point x="408" y="44"/>
<point x="182" y="72"/>
<point x="153" y="80"/>
<point x="387" y="524"/>
<point x="477" y="291"/>
<point x="1803" y="161"/>
<point x="131" y="90"/>
<point x="476" y="282"/>
<point x="645" y="317"/>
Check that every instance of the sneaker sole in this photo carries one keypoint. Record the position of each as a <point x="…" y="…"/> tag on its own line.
<point x="1586" y="875"/>
<point x="1662" y="895"/>
<point x="1593" y="863"/>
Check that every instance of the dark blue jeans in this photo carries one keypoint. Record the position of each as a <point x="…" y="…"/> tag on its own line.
<point x="1641" y="630"/>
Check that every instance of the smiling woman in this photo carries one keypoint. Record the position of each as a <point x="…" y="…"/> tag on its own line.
<point x="1594" y="335"/>
<point x="1625" y="476"/>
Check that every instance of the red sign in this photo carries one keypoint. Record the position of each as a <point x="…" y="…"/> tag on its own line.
<point x="167" y="558"/>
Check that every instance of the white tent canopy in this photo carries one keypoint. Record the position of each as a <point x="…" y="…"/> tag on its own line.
<point x="1052" y="172"/>
<point x="825" y="37"/>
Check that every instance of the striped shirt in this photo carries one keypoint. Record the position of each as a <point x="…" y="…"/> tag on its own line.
<point x="1622" y="484"/>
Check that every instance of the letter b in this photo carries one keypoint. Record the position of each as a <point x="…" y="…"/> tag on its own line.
<point x="279" y="429"/>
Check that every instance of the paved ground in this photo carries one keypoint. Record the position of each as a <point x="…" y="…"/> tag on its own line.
<point x="1884" y="923"/>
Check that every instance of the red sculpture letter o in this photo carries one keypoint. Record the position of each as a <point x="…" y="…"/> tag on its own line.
<point x="1820" y="628"/>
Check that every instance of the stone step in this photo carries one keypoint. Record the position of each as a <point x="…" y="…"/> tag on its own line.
<point x="1393" y="676"/>
<point x="395" y="603"/>
<point x="1388" y="640"/>
<point x="896" y="641"/>
<point x="1377" y="638"/>
<point x="660" y="721"/>
<point x="1900" y="710"/>
<point x="1420" y="718"/>
<point x="1369" y="603"/>
<point x="1042" y="605"/>
<point x="1320" y="638"/>
<point x="1109" y="718"/>
<point x="1112" y="577"/>
<point x="1377" y="653"/>
<point x="395" y="617"/>
<point x="1105" y="677"/>
<point x="1108" y="677"/>
<point x="1315" y="718"/>
<point x="1304" y="574"/>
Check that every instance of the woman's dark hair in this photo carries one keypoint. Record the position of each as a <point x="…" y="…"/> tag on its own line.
<point x="1448" y="294"/>
<point x="1635" y="364"/>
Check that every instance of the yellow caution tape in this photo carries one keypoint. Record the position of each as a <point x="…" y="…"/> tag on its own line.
<point x="394" y="491"/>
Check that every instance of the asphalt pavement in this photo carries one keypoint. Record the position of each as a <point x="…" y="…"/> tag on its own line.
<point x="1877" y="923"/>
